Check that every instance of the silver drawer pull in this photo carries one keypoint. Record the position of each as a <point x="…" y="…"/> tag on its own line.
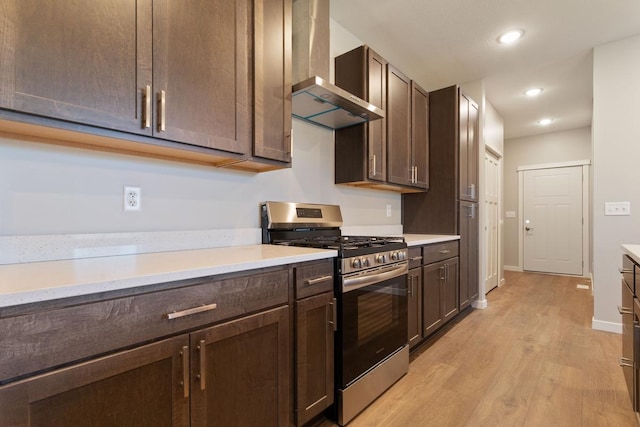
<point x="190" y="311"/>
<point x="625" y="310"/>
<point x="416" y="258"/>
<point x="624" y="362"/>
<point x="317" y="280"/>
<point x="444" y="251"/>
<point x="625" y="270"/>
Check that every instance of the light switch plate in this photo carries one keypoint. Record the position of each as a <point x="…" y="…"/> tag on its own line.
<point x="617" y="208"/>
<point x="510" y="214"/>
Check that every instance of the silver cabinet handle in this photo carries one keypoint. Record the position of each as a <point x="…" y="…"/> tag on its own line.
<point x="203" y="364"/>
<point x="624" y="362"/>
<point x="415" y="175"/>
<point x="442" y="272"/>
<point x="625" y="310"/>
<point x="146" y="111"/>
<point x="416" y="258"/>
<point x="190" y="311"/>
<point x="185" y="370"/>
<point x="162" y="103"/>
<point x="625" y="270"/>
<point x="374" y="164"/>
<point x="410" y="287"/>
<point x="472" y="191"/>
<point x="317" y="280"/>
<point x="334" y="314"/>
<point x="444" y="251"/>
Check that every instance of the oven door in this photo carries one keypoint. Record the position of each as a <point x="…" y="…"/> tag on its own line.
<point x="372" y="314"/>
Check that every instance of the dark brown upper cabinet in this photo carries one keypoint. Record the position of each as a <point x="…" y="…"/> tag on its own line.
<point x="190" y="72"/>
<point x="79" y="61"/>
<point x="390" y="153"/>
<point x="361" y="150"/>
<point x="420" y="136"/>
<point x="468" y="137"/>
<point x="272" y="80"/>
<point x="399" y="127"/>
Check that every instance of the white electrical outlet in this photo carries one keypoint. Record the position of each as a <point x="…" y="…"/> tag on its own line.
<point x="132" y="199"/>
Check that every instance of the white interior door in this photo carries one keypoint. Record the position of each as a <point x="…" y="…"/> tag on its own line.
<point x="552" y="203"/>
<point x="492" y="189"/>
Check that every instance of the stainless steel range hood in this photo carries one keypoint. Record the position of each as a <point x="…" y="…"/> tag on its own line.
<point x="315" y="99"/>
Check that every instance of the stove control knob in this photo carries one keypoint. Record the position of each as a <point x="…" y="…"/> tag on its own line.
<point x="403" y="255"/>
<point x="395" y="256"/>
<point x="356" y="263"/>
<point x="381" y="259"/>
<point x="366" y="262"/>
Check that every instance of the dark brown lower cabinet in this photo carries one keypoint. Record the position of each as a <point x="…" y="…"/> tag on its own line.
<point x="440" y="294"/>
<point x="236" y="373"/>
<point x="414" y="291"/>
<point x="314" y="356"/>
<point x="140" y="387"/>
<point x="469" y="231"/>
<point x="241" y="372"/>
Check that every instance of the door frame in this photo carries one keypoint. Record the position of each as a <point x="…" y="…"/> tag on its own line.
<point x="586" y="197"/>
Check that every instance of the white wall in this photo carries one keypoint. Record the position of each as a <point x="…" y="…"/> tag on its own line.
<point x="616" y="150"/>
<point x="534" y="150"/>
<point x="47" y="189"/>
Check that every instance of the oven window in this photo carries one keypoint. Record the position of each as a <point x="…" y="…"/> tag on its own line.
<point x="373" y="325"/>
<point x="375" y="315"/>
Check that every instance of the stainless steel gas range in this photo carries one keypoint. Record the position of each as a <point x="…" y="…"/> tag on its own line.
<point x="371" y="292"/>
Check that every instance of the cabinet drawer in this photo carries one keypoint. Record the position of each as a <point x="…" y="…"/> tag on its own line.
<point x="313" y="279"/>
<point x="415" y="256"/>
<point x="46" y="339"/>
<point x="439" y="251"/>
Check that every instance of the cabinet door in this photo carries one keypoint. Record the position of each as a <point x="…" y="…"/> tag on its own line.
<point x="272" y="90"/>
<point x="472" y="151"/>
<point x="415" y="306"/>
<point x="377" y="129"/>
<point x="432" y="294"/>
<point x="420" y="136"/>
<point x="468" y="140"/>
<point x="314" y="356"/>
<point x="202" y="74"/>
<point x="469" y="234"/>
<point x="146" y="386"/>
<point x="240" y="372"/>
<point x="450" y="289"/>
<point x="81" y="61"/>
<point x="398" y="115"/>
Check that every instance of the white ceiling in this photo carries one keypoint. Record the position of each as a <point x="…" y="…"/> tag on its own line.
<point x="443" y="42"/>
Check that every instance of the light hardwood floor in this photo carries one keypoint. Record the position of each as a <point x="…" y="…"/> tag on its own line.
<point x="529" y="359"/>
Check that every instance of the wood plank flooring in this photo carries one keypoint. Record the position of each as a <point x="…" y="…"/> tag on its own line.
<point x="529" y="359"/>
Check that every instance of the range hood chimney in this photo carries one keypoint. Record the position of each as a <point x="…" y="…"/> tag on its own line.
<point x="315" y="99"/>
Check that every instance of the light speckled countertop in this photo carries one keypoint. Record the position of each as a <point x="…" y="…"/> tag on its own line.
<point x="41" y="281"/>
<point x="426" y="239"/>
<point x="25" y="283"/>
<point x="633" y="251"/>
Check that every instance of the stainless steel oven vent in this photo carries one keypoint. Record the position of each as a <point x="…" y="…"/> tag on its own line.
<point x="315" y="99"/>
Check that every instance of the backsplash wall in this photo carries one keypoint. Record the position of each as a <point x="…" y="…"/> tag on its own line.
<point x="48" y="189"/>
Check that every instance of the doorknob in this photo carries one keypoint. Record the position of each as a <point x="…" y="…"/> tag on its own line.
<point x="528" y="228"/>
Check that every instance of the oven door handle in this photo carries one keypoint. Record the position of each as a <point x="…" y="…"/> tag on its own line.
<point x="352" y="283"/>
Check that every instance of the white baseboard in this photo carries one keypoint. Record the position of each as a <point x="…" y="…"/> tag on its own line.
<point x="512" y="268"/>
<point x="481" y="304"/>
<point x="601" y="325"/>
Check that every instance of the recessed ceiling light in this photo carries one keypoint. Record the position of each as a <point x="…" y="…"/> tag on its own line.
<point x="545" y="122"/>
<point x="534" y="91"/>
<point x="510" y="36"/>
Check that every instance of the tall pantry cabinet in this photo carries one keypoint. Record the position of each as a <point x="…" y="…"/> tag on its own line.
<point x="451" y="204"/>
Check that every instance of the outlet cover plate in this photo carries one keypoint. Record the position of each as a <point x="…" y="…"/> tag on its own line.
<point x="617" y="208"/>
<point x="132" y="199"/>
